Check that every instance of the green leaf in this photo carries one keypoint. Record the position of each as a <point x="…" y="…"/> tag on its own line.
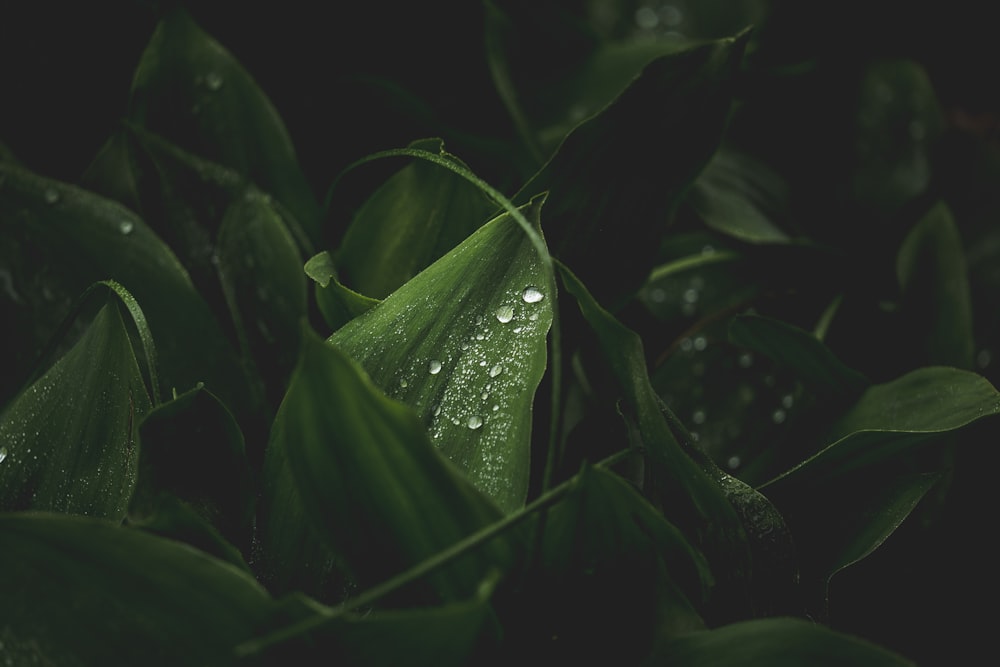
<point x="413" y="219"/>
<point x="56" y="237"/>
<point x="67" y="442"/>
<point x="337" y="303"/>
<point x="684" y="486"/>
<point x="896" y="416"/>
<point x="370" y="480"/>
<point x="607" y="206"/>
<point x="191" y="90"/>
<point x="449" y="634"/>
<point x="773" y="642"/>
<point x="935" y="289"/>
<point x="261" y="273"/>
<point x="742" y="197"/>
<point x="192" y="452"/>
<point x="800" y="352"/>
<point x="463" y="344"/>
<point x="78" y="591"/>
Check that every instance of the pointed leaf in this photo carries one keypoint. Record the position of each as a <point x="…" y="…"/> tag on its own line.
<point x="799" y="351"/>
<point x="417" y="216"/>
<point x="895" y="416"/>
<point x="67" y="443"/>
<point x="74" y="238"/>
<point x="369" y="479"/>
<point x="190" y="89"/>
<point x="774" y="642"/>
<point x="742" y="197"/>
<point x="935" y="285"/>
<point x="463" y="344"/>
<point x="78" y="591"/>
<point x="192" y="450"/>
<point x="337" y="303"/>
<point x="607" y="208"/>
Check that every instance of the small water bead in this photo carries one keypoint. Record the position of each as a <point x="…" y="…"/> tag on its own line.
<point x="126" y="227"/>
<point x="733" y="462"/>
<point x="403" y="383"/>
<point x="495" y="407"/>
<point x="436" y="410"/>
<point x="213" y="81"/>
<point x="51" y="196"/>
<point x="518" y="329"/>
<point x="505" y="314"/>
<point x="475" y="421"/>
<point x="464" y="345"/>
<point x="533" y="317"/>
<point x="480" y="336"/>
<point x="479" y="320"/>
<point x="700" y="343"/>
<point x="686" y="345"/>
<point x="787" y="401"/>
<point x="496" y="370"/>
<point x="485" y="395"/>
<point x="690" y="295"/>
<point x="434" y="367"/>
<point x="745" y="360"/>
<point x="698" y="417"/>
<point x="532" y="295"/>
<point x="778" y="416"/>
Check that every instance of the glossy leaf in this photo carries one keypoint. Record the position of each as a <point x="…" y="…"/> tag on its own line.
<point x="414" y="218"/>
<point x="75" y="238"/>
<point x="370" y="480"/>
<point x="800" y="352"/>
<point x="617" y="178"/>
<point x="895" y="416"/>
<point x="932" y="274"/>
<point x="81" y="591"/>
<point x="68" y="441"/>
<point x="191" y="90"/>
<point x="463" y="344"/>
<point x="192" y="452"/>
<point x="261" y="274"/>
<point x="774" y="642"/>
<point x="338" y="304"/>
<point x="739" y="196"/>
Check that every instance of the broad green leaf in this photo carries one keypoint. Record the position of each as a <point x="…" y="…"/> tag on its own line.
<point x="463" y="344"/>
<point x="450" y="634"/>
<point x="337" y="303"/>
<point x="742" y="197"/>
<point x="370" y="480"/>
<point x="937" y="304"/>
<point x="690" y="497"/>
<point x="68" y="441"/>
<point x="895" y="416"/>
<point x="55" y="237"/>
<point x="617" y="179"/>
<point x="773" y="642"/>
<point x="799" y="351"/>
<point x="190" y="89"/>
<point x="79" y="591"/>
<point x="609" y="565"/>
<point x="261" y="274"/>
<point x="110" y="173"/>
<point x="414" y="218"/>
<point x="192" y="453"/>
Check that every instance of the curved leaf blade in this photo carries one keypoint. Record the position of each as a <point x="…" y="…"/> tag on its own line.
<point x="67" y="443"/>
<point x="190" y="89"/>
<point x="463" y="344"/>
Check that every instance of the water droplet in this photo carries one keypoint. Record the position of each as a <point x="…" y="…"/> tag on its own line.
<point x="464" y="345"/>
<point x="533" y="317"/>
<point x="51" y="195"/>
<point x="707" y="250"/>
<point x="496" y="370"/>
<point x="698" y="417"/>
<point x="403" y="383"/>
<point x="505" y="314"/>
<point x="126" y="227"/>
<point x="686" y="345"/>
<point x="495" y="407"/>
<point x="778" y="416"/>
<point x="434" y="367"/>
<point x="213" y="81"/>
<point x="482" y="363"/>
<point x="475" y="421"/>
<point x="518" y="329"/>
<point x="646" y="18"/>
<point x="733" y="462"/>
<point x="3" y="454"/>
<point x="787" y="401"/>
<point x="657" y="295"/>
<point x="700" y="343"/>
<point x="532" y="295"/>
<point x="479" y="320"/>
<point x="983" y="358"/>
<point x="745" y="360"/>
<point x="690" y="295"/>
<point x="480" y="336"/>
<point x="485" y="395"/>
<point x="436" y="410"/>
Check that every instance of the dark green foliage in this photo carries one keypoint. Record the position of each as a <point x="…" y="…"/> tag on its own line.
<point x="626" y="332"/>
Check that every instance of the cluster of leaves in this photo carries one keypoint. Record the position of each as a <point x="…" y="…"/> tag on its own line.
<point x="618" y="412"/>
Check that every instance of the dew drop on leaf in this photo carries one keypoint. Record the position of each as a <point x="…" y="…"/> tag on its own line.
<point x="505" y="314"/>
<point x="496" y="370"/>
<point x="778" y="416"/>
<point x="213" y="81"/>
<point x="51" y="196"/>
<point x="532" y="295"/>
<point x="475" y="421"/>
<point x="126" y="227"/>
<point x="434" y="367"/>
